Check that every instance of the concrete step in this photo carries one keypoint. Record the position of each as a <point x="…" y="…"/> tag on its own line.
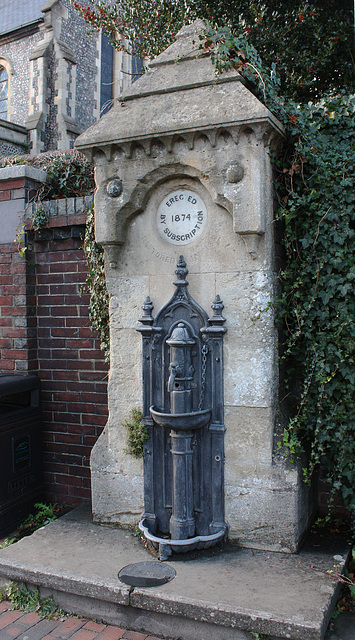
<point x="216" y="595"/>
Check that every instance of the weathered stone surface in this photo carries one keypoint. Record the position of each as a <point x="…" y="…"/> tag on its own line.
<point x="226" y="594"/>
<point x="13" y="200"/>
<point x="182" y="128"/>
<point x="23" y="171"/>
<point x="182" y="67"/>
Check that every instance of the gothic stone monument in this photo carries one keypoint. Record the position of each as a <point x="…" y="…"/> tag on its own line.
<point x="183" y="168"/>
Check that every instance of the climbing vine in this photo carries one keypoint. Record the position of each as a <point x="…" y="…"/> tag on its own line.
<point x="96" y="283"/>
<point x="316" y="310"/>
<point x="318" y="304"/>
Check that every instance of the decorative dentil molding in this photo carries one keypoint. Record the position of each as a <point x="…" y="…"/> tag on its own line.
<point x="263" y="132"/>
<point x="117" y="206"/>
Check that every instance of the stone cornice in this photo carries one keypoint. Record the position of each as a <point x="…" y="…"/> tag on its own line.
<point x="23" y="171"/>
<point x="262" y="128"/>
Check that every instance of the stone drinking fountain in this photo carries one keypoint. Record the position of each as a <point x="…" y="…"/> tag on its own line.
<point x="183" y="413"/>
<point x="183" y="165"/>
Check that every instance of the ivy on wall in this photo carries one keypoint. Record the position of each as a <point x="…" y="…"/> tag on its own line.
<point x="318" y="303"/>
<point x="96" y="282"/>
<point x="69" y="173"/>
<point x="316" y="310"/>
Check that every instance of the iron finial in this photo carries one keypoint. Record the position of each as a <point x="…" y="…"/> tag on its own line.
<point x="217" y="306"/>
<point x="181" y="270"/>
<point x="147" y="312"/>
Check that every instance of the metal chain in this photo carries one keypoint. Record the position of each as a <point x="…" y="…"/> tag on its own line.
<point x="203" y="374"/>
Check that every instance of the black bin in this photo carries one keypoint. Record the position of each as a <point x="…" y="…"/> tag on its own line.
<point x="20" y="449"/>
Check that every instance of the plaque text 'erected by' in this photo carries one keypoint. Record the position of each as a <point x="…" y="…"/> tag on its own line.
<point x="181" y="217"/>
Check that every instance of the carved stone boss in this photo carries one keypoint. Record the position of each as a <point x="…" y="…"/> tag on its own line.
<point x="183" y="413"/>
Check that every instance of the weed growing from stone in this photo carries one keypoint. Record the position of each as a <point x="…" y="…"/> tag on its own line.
<point x="45" y="513"/>
<point x="137" y="434"/>
<point x="25" y="599"/>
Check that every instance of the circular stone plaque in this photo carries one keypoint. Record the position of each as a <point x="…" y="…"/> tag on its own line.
<point x="146" y="574"/>
<point x="181" y="217"/>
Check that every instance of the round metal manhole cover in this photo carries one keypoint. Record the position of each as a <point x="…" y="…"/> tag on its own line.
<point x="146" y="574"/>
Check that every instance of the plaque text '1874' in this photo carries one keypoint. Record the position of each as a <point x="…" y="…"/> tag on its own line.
<point x="181" y="217"/>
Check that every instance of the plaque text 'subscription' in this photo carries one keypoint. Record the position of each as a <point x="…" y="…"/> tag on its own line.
<point x="181" y="217"/>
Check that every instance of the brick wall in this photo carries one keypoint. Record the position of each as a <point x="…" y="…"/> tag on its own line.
<point x="45" y="328"/>
<point x="18" y="185"/>
<point x="71" y="367"/>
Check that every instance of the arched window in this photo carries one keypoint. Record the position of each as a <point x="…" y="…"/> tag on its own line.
<point x="4" y="87"/>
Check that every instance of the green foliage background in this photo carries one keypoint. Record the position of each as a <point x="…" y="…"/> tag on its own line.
<point x="318" y="303"/>
<point x="311" y="42"/>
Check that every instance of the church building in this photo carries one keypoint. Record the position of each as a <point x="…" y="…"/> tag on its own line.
<point x="56" y="80"/>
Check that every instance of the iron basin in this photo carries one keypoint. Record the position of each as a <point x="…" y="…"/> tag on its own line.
<point x="181" y="421"/>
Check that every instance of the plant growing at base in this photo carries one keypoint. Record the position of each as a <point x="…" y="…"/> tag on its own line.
<point x="46" y="513"/>
<point x="25" y="599"/>
<point x="137" y="434"/>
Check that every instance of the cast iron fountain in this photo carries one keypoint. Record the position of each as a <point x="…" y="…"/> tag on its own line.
<point x="183" y="413"/>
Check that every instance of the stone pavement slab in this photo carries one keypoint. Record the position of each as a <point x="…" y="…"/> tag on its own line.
<point x="217" y="595"/>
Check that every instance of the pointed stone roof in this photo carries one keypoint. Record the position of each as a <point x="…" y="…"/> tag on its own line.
<point x="15" y="14"/>
<point x="180" y="92"/>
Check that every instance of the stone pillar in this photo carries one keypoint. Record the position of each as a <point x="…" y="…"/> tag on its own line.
<point x="18" y="184"/>
<point x="182" y="131"/>
<point x="65" y="96"/>
<point x="51" y="116"/>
